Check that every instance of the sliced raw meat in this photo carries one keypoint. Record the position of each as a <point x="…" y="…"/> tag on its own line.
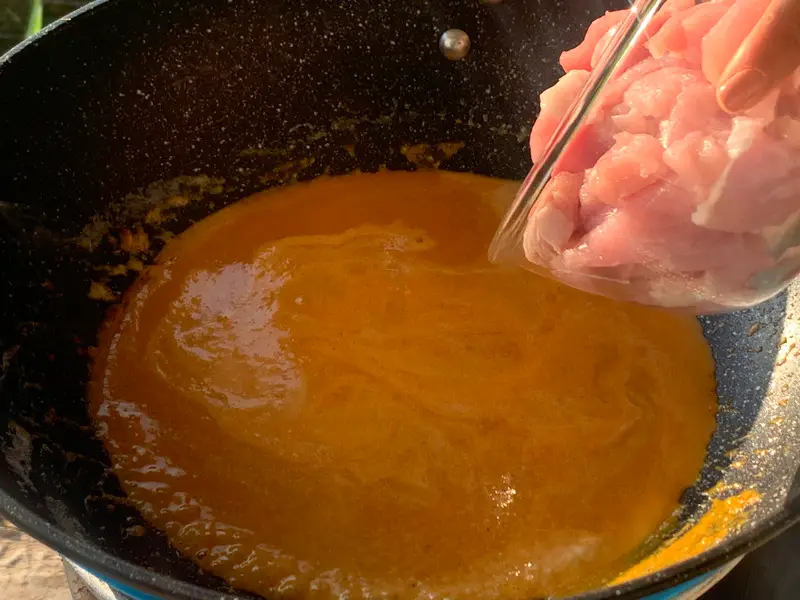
<point x="786" y="129"/>
<point x="585" y="149"/>
<point x="553" y="104"/>
<point x="698" y="159"/>
<point x="660" y="190"/>
<point x="693" y="23"/>
<point x="614" y="91"/>
<point x="760" y="188"/>
<point x="602" y="46"/>
<point x="677" y="6"/>
<point x="789" y="99"/>
<point x="667" y="245"/>
<point x="602" y="31"/>
<point x="695" y="109"/>
<point x="655" y="93"/>
<point x="580" y="58"/>
<point x="555" y="219"/>
<point x="631" y="165"/>
<point x="625" y="118"/>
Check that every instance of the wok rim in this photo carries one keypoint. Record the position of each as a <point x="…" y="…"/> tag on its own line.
<point x="103" y="563"/>
<point x="114" y="569"/>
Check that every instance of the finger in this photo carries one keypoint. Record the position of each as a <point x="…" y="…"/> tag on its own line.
<point x="726" y="37"/>
<point x="769" y="54"/>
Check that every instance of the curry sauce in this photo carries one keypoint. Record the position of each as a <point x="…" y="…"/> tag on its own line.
<point x="326" y="389"/>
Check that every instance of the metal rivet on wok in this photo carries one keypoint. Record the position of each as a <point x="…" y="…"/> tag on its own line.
<point x="454" y="44"/>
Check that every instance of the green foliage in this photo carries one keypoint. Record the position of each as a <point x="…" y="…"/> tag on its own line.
<point x="21" y="18"/>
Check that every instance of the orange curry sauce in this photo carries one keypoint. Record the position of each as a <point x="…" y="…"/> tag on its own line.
<point x="326" y="389"/>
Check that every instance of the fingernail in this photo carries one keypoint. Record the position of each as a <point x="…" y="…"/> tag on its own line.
<point x="744" y="89"/>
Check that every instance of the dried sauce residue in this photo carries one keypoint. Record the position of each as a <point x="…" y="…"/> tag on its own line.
<point x="723" y="519"/>
<point x="430" y="156"/>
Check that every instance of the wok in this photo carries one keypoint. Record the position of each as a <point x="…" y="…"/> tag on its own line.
<point x="110" y="112"/>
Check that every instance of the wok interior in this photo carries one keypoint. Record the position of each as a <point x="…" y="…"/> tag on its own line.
<point x="138" y="101"/>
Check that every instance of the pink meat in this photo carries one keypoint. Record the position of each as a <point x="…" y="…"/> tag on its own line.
<point x="580" y="58"/>
<point x="586" y="148"/>
<point x="698" y="158"/>
<point x="666" y="244"/>
<point x="695" y="110"/>
<point x="553" y="104"/>
<point x="690" y="24"/>
<point x="786" y="129"/>
<point x="660" y="189"/>
<point x="654" y="94"/>
<point x="600" y="33"/>
<point x="556" y="219"/>
<point x="614" y="92"/>
<point x="631" y="165"/>
<point x="676" y="6"/>
<point x="789" y="98"/>
<point x="741" y="202"/>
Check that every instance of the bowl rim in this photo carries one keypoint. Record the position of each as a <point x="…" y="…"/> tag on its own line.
<point x="115" y="569"/>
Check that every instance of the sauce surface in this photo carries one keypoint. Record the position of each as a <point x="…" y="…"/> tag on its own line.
<point x="326" y="389"/>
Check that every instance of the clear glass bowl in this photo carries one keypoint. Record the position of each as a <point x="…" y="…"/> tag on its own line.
<point x="646" y="190"/>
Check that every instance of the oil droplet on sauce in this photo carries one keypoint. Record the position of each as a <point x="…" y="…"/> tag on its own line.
<point x="326" y="389"/>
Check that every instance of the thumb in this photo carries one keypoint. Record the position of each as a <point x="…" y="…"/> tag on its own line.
<point x="769" y="54"/>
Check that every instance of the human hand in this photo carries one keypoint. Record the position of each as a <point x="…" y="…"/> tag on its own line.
<point x="761" y="58"/>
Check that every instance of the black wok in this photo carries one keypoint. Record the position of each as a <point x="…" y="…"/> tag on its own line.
<point x="109" y="112"/>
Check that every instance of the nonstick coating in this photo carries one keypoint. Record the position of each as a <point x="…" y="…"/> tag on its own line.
<point x="108" y="113"/>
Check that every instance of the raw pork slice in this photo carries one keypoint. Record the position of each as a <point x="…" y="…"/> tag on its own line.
<point x="661" y="192"/>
